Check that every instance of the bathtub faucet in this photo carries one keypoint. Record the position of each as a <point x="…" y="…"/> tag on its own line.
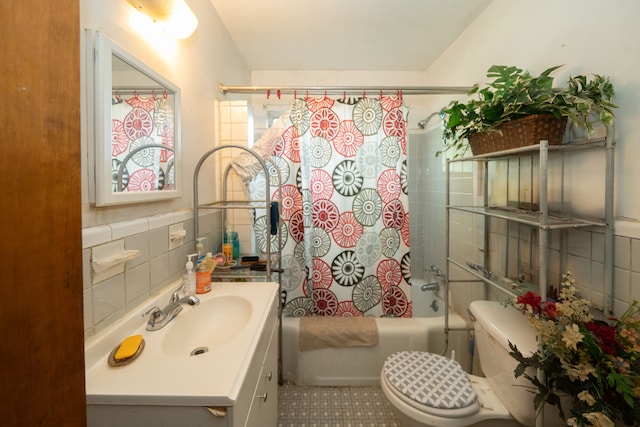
<point x="436" y="271"/>
<point x="434" y="286"/>
<point x="436" y="274"/>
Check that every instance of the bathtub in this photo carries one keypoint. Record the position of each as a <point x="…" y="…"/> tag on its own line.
<point x="360" y="366"/>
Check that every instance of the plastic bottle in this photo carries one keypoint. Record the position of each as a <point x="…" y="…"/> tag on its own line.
<point x="189" y="278"/>
<point x="232" y="238"/>
<point x="235" y="242"/>
<point x="200" y="249"/>
<point x="227" y="247"/>
<point x="203" y="274"/>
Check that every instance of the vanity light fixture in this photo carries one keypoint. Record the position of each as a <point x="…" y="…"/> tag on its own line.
<point x="174" y="16"/>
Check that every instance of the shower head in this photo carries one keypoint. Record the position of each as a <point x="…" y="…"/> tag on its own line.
<point x="422" y="124"/>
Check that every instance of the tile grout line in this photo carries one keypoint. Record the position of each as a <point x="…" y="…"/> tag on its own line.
<point x="316" y="406"/>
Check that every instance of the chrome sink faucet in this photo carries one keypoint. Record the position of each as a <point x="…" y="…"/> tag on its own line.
<point x="158" y="318"/>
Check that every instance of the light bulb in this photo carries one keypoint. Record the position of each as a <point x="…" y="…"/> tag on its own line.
<point x="181" y="22"/>
<point x="175" y="17"/>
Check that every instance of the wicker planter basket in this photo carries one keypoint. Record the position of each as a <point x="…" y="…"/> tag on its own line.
<point x="520" y="133"/>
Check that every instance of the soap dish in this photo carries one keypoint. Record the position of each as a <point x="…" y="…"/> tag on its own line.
<point x="227" y="266"/>
<point x="112" y="356"/>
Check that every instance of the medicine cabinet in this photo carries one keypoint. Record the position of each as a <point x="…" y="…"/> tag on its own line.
<point x="136" y="123"/>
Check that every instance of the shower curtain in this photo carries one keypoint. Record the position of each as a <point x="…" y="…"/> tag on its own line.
<point x="139" y="120"/>
<point x="343" y="213"/>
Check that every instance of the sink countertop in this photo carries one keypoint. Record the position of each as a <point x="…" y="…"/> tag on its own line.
<point x="159" y="378"/>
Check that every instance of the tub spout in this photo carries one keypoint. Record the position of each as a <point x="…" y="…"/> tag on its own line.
<point x="434" y="286"/>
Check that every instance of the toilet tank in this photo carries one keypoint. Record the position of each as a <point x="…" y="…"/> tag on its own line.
<point x="495" y="325"/>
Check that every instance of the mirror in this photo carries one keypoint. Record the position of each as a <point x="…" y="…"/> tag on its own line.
<point x="137" y="122"/>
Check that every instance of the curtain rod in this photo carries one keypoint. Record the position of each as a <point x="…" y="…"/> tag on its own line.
<point x="160" y="89"/>
<point x="406" y="90"/>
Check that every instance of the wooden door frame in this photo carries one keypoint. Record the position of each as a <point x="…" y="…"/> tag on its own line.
<point x="41" y="318"/>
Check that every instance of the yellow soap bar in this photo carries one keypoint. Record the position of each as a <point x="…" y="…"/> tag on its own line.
<point x="128" y="347"/>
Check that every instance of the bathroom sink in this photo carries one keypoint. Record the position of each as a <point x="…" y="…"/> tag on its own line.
<point x="206" y="327"/>
<point x="200" y="358"/>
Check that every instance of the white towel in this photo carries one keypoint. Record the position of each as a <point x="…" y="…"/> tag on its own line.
<point x="322" y="332"/>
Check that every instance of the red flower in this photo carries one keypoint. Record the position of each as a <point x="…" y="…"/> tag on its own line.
<point x="532" y="300"/>
<point x="550" y="310"/>
<point x="605" y="336"/>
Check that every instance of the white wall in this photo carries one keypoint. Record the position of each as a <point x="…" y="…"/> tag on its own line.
<point x="588" y="36"/>
<point x="196" y="65"/>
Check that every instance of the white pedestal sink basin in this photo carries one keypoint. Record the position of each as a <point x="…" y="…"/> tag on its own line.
<point x="207" y="327"/>
<point x="227" y="323"/>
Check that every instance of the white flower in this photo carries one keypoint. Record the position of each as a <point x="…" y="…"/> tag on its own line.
<point x="580" y="371"/>
<point x="572" y="336"/>
<point x="585" y="396"/>
<point x="598" y="419"/>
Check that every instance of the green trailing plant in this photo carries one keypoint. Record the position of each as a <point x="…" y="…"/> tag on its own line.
<point x="513" y="93"/>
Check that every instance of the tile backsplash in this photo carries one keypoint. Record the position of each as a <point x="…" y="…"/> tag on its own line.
<point x="161" y="255"/>
<point x="160" y="262"/>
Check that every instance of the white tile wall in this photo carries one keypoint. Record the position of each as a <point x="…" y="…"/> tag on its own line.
<point x="585" y="248"/>
<point x="152" y="271"/>
<point x="234" y="125"/>
<point x="426" y="181"/>
<point x="158" y="266"/>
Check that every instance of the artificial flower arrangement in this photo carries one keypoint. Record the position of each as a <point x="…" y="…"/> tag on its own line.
<point x="595" y="363"/>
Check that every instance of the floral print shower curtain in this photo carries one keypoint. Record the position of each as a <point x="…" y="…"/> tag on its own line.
<point x="138" y="120"/>
<point x="344" y="217"/>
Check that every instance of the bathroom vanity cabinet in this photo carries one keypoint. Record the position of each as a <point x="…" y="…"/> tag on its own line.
<point x="510" y="215"/>
<point x="258" y="399"/>
<point x="235" y="386"/>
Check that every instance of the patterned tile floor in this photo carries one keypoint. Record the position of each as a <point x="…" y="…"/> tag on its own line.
<point x="303" y="406"/>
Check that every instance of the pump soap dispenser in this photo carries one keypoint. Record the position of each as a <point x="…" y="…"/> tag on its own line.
<point x="189" y="278"/>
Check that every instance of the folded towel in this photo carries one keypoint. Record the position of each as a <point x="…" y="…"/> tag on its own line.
<point x="321" y="332"/>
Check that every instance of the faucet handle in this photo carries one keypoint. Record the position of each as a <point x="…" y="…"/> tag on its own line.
<point x="436" y="271"/>
<point x="175" y="295"/>
<point x="153" y="313"/>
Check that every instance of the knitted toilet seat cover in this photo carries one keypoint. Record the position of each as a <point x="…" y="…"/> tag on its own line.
<point x="431" y="380"/>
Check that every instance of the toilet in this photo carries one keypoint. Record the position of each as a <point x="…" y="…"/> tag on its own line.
<point x="428" y="389"/>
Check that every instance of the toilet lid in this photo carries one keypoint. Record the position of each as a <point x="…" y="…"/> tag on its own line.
<point x="431" y="383"/>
